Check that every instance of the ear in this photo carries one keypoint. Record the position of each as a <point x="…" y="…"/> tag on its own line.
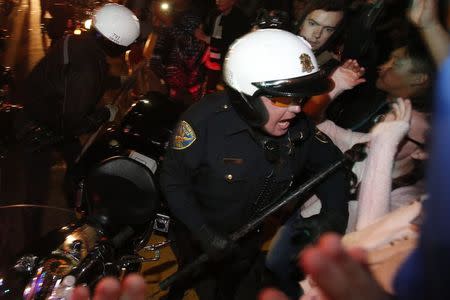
<point x="419" y="79"/>
<point x="419" y="154"/>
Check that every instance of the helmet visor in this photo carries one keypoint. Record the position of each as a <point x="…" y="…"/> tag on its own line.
<point x="303" y="86"/>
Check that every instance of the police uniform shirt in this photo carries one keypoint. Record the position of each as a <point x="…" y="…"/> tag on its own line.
<point x="214" y="170"/>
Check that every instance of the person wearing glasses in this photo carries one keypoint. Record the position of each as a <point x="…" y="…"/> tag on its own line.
<point x="235" y="152"/>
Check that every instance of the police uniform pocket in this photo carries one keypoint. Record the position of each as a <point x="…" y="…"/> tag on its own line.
<point x="234" y="174"/>
<point x="224" y="188"/>
<point x="221" y="179"/>
<point x="231" y="176"/>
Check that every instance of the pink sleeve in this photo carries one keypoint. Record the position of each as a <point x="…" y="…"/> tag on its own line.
<point x="375" y="190"/>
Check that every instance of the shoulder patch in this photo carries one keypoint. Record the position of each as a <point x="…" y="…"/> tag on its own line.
<point x="184" y="136"/>
<point x="322" y="137"/>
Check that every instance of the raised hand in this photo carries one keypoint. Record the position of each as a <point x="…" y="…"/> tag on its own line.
<point x="109" y="288"/>
<point x="346" y="77"/>
<point x="423" y="13"/>
<point x="396" y="123"/>
<point x="338" y="273"/>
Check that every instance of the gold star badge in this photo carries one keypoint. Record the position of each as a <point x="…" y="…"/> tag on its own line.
<point x="305" y="61"/>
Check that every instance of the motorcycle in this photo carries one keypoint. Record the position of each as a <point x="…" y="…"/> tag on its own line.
<point x="102" y="243"/>
<point x="143" y="136"/>
<point x="105" y="240"/>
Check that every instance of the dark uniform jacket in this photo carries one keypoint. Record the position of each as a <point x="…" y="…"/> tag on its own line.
<point x="234" y="25"/>
<point x="64" y="97"/>
<point x="214" y="170"/>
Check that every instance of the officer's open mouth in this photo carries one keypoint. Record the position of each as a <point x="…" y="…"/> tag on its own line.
<point x="284" y="123"/>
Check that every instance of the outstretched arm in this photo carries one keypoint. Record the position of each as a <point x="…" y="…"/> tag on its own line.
<point x="375" y="190"/>
<point x="423" y="14"/>
<point x="346" y="77"/>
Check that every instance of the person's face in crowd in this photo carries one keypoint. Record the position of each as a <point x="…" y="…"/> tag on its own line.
<point x="413" y="145"/>
<point x="225" y="5"/>
<point x="397" y="76"/>
<point x="319" y="26"/>
<point x="281" y="110"/>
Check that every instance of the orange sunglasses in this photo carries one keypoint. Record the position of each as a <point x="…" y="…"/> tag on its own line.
<point x="286" y="101"/>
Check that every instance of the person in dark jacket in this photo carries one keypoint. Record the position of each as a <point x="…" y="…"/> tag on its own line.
<point x="234" y="153"/>
<point x="62" y="92"/>
<point x="222" y="28"/>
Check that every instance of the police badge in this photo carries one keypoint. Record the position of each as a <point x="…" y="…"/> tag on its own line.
<point x="305" y="61"/>
<point x="184" y="136"/>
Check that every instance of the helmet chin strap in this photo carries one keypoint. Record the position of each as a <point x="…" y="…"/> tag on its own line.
<point x="270" y="145"/>
<point x="245" y="98"/>
<point x="256" y="106"/>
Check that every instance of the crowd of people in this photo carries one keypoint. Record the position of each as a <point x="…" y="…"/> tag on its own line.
<point x="271" y="100"/>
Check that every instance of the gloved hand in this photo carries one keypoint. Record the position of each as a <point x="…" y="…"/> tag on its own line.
<point x="214" y="244"/>
<point x="308" y="230"/>
<point x="113" y="109"/>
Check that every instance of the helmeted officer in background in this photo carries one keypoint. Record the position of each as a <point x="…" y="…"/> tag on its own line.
<point x="235" y="152"/>
<point x="61" y="94"/>
<point x="63" y="89"/>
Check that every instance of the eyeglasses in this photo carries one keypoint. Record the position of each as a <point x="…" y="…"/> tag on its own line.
<point x="286" y="101"/>
<point x="417" y="143"/>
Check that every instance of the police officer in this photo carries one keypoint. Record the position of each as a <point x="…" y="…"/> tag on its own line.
<point x="233" y="153"/>
<point x="62" y="91"/>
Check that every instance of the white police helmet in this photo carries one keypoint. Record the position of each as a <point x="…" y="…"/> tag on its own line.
<point x="273" y="62"/>
<point x="116" y="23"/>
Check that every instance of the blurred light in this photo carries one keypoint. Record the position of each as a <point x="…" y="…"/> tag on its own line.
<point x="88" y="24"/>
<point x="165" y="6"/>
<point x="70" y="239"/>
<point x="27" y="291"/>
<point x="77" y="31"/>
